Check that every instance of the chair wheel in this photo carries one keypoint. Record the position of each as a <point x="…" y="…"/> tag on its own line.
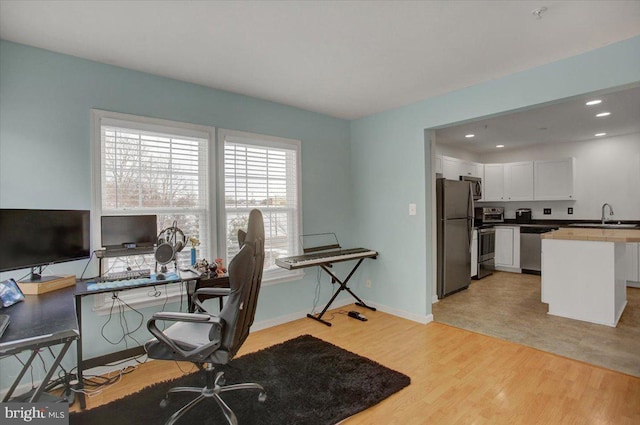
<point x="164" y="402"/>
<point x="262" y="397"/>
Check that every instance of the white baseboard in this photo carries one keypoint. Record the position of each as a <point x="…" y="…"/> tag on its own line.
<point x="264" y="324"/>
<point x="509" y="269"/>
<point x="633" y="284"/>
<point x="434" y="299"/>
<point x="101" y="370"/>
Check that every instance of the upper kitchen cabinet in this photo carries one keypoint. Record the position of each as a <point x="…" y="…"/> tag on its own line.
<point x="493" y="182"/>
<point x="453" y="168"/>
<point x="508" y="182"/>
<point x="554" y="179"/>
<point x="518" y="181"/>
<point x="438" y="164"/>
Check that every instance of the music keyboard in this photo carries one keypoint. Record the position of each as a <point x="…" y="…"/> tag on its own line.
<point x="308" y="260"/>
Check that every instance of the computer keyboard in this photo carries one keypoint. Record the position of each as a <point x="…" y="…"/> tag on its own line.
<point x="4" y="323"/>
<point x="124" y="275"/>
<point x="128" y="283"/>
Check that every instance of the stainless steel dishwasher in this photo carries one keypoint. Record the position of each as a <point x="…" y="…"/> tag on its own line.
<point x="531" y="248"/>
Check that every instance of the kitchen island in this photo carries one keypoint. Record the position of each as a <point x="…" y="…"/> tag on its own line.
<point x="583" y="273"/>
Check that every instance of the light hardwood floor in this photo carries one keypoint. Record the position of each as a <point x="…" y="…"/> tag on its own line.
<point x="457" y="376"/>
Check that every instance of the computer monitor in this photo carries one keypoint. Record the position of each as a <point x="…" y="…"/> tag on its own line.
<point x="32" y="238"/>
<point x="129" y="231"/>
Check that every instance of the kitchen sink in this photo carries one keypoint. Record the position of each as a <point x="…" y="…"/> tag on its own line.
<point x="605" y="226"/>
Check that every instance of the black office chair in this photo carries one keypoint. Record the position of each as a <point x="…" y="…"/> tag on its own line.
<point x="209" y="340"/>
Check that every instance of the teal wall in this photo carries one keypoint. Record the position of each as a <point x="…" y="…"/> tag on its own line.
<point x="391" y="167"/>
<point x="45" y="162"/>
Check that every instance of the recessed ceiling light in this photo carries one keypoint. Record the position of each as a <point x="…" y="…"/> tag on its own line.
<point x="469" y="136"/>
<point x="603" y="114"/>
<point x="593" y="102"/>
<point x="499" y="146"/>
<point x="600" y="134"/>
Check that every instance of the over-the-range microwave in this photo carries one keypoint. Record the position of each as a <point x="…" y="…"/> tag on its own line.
<point x="476" y="186"/>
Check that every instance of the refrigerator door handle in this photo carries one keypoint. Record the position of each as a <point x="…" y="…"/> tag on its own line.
<point x="470" y="218"/>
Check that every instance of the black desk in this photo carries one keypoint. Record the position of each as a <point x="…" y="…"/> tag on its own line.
<point x="208" y="282"/>
<point x="40" y="321"/>
<point x="192" y="282"/>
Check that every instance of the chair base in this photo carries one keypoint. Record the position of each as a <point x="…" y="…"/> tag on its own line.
<point x="215" y="386"/>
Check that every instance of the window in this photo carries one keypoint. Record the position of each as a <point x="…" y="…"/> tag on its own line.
<point x="144" y="165"/>
<point x="262" y="172"/>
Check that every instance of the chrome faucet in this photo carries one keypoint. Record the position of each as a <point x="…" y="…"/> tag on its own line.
<point x="604" y="220"/>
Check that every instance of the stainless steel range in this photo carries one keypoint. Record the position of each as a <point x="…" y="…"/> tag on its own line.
<point x="485" y="217"/>
<point x="486" y="250"/>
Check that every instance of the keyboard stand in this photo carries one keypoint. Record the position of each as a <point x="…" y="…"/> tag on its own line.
<point x="343" y="287"/>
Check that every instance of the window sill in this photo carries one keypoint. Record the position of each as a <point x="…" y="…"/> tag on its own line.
<point x="140" y="298"/>
<point x="173" y="293"/>
<point x="274" y="277"/>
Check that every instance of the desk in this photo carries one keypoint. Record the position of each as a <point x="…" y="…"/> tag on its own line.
<point x="40" y="321"/>
<point x="192" y="282"/>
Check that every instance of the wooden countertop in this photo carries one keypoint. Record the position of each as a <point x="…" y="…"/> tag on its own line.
<point x="598" y="235"/>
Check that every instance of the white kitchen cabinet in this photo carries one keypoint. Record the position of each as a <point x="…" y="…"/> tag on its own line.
<point x="479" y="169"/>
<point x="553" y="179"/>
<point x="507" y="255"/>
<point x="471" y="169"/>
<point x="518" y="181"/>
<point x="453" y="168"/>
<point x="450" y="168"/>
<point x="474" y="254"/>
<point x="632" y="263"/>
<point x="508" y="182"/>
<point x="493" y="182"/>
<point x="438" y="164"/>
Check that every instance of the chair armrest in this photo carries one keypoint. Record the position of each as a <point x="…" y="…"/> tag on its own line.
<point x="220" y="292"/>
<point x="185" y="317"/>
<point x="211" y="292"/>
<point x="181" y="317"/>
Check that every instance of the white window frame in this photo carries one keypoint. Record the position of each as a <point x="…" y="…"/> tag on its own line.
<point x="162" y="293"/>
<point x="277" y="275"/>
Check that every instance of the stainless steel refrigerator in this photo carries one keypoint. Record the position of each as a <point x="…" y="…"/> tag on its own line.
<point x="454" y="201"/>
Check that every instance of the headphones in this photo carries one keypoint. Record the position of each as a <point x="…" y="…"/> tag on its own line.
<point x="171" y="240"/>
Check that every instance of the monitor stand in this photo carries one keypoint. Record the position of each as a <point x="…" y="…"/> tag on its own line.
<point x="36" y="276"/>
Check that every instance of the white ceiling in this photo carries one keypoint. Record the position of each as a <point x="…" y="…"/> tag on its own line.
<point x="347" y="59"/>
<point x="566" y="121"/>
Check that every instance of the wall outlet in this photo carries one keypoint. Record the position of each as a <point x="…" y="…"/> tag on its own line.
<point x="569" y="210"/>
<point x="547" y="211"/>
<point x="367" y="283"/>
<point x="412" y="209"/>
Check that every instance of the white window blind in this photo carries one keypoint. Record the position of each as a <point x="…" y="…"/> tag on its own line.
<point x="262" y="172"/>
<point x="157" y="172"/>
<point x="150" y="166"/>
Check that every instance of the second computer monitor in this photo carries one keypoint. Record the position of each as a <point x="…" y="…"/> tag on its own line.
<point x="129" y="231"/>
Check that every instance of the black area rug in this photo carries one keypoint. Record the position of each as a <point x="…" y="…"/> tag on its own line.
<point x="308" y="381"/>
